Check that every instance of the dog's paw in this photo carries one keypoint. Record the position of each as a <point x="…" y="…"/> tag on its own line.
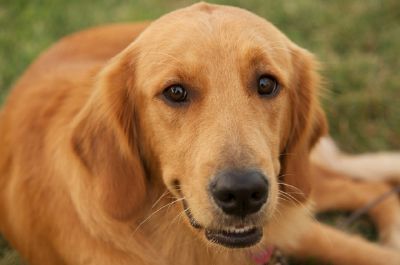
<point x="391" y="236"/>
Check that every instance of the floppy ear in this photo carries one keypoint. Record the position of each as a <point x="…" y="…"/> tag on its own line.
<point x="308" y="124"/>
<point x="105" y="143"/>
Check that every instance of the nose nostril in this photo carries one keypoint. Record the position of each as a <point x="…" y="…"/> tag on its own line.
<point x="256" y="196"/>
<point x="227" y="197"/>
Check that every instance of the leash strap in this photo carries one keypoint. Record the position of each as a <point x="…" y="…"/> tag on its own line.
<point x="263" y="257"/>
<point x="357" y="214"/>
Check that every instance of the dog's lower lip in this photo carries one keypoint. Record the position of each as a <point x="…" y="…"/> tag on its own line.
<point x="233" y="239"/>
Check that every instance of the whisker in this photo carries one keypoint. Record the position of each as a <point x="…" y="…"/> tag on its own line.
<point x="289" y="196"/>
<point x="159" y="199"/>
<point x="309" y="212"/>
<point x="179" y="215"/>
<point x="157" y="211"/>
<point x="298" y="191"/>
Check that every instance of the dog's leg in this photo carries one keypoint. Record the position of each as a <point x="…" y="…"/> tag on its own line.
<point x="336" y="192"/>
<point x="368" y="166"/>
<point x="336" y="247"/>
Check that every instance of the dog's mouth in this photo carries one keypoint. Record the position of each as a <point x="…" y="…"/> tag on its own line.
<point x="235" y="237"/>
<point x="231" y="237"/>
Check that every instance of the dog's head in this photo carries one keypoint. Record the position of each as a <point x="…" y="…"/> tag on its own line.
<point x="214" y="104"/>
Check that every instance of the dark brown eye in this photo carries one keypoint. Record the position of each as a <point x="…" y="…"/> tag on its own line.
<point x="175" y="93"/>
<point x="267" y="86"/>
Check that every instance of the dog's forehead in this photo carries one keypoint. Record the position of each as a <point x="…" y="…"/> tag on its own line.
<point x="204" y="25"/>
<point x="204" y="40"/>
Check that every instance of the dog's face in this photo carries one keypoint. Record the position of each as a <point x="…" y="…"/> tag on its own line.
<point x="215" y="111"/>
<point x="222" y="100"/>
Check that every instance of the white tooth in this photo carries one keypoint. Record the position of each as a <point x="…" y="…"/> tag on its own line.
<point x="238" y="230"/>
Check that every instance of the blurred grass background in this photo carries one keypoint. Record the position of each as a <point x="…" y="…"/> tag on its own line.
<point x="358" y="43"/>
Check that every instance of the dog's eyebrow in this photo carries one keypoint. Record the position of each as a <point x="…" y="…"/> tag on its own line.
<point x="168" y="56"/>
<point x="263" y="61"/>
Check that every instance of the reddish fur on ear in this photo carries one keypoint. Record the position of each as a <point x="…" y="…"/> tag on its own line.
<point x="104" y="140"/>
<point x="307" y="126"/>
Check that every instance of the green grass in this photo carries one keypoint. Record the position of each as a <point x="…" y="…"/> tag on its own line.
<point x="358" y="43"/>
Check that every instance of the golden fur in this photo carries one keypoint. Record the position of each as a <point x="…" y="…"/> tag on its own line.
<point x="95" y="163"/>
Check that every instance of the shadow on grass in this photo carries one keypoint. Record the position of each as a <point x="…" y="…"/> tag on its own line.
<point x="8" y="256"/>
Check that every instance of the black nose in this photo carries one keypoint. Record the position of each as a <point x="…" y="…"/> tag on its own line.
<point x="239" y="192"/>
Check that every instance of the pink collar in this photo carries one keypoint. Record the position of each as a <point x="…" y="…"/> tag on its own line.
<point x="263" y="257"/>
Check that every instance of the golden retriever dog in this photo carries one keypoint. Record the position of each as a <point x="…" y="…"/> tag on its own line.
<point x="183" y="141"/>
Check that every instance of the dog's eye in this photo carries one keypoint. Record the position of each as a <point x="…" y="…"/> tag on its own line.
<point x="267" y="86"/>
<point x="175" y="93"/>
